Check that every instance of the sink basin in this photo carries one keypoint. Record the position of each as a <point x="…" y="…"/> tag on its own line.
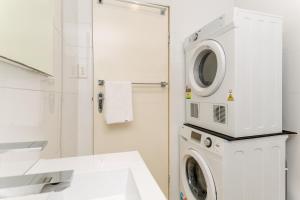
<point x="104" y="185"/>
<point x="116" y="176"/>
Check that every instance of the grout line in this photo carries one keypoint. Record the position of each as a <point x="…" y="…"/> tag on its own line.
<point x="62" y="79"/>
<point x="35" y="90"/>
<point x="28" y="89"/>
<point x="77" y="23"/>
<point x="93" y="81"/>
<point x="74" y="45"/>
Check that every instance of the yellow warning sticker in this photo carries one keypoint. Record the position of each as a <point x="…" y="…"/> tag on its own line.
<point x="230" y="96"/>
<point x="188" y="93"/>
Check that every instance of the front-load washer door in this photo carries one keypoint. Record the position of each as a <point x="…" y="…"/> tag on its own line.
<point x="207" y="68"/>
<point x="196" y="177"/>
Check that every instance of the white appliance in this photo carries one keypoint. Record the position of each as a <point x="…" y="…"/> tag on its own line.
<point x="234" y="74"/>
<point x="212" y="168"/>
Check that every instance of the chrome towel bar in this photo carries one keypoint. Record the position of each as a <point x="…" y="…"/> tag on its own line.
<point x="140" y="3"/>
<point x="162" y="84"/>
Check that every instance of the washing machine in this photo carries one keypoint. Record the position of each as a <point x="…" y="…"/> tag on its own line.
<point x="214" y="168"/>
<point x="234" y="74"/>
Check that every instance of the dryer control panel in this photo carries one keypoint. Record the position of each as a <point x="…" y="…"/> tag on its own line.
<point x="207" y="30"/>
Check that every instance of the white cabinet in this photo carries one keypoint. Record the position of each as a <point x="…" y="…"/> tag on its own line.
<point x="27" y="33"/>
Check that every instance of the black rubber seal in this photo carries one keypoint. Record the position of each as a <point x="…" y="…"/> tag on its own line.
<point x="229" y="138"/>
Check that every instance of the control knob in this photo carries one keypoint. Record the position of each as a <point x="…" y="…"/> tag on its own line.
<point x="208" y="142"/>
<point x="195" y="37"/>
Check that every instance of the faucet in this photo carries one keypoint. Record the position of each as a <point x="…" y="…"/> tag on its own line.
<point x="23" y="185"/>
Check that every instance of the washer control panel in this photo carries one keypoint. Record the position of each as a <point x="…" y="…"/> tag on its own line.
<point x="203" y="140"/>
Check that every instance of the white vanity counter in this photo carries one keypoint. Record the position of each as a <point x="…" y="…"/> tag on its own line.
<point x="118" y="176"/>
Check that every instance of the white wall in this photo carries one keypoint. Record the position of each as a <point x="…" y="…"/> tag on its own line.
<point x="291" y="82"/>
<point x="186" y="17"/>
<point x="30" y="103"/>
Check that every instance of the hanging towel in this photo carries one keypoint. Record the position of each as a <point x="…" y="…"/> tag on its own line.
<point x="118" y="102"/>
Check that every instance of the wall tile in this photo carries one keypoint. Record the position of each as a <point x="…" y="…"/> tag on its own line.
<point x="14" y="77"/>
<point x="58" y="15"/>
<point x="28" y="115"/>
<point x="70" y="11"/>
<point x="84" y="35"/>
<point x="70" y="70"/>
<point x="70" y="34"/>
<point x="85" y="12"/>
<point x="69" y="137"/>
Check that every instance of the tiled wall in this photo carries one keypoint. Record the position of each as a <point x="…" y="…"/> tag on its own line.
<point x="77" y="119"/>
<point x="30" y="103"/>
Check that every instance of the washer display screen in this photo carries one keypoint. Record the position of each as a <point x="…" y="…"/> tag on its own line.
<point x="196" y="179"/>
<point x="206" y="67"/>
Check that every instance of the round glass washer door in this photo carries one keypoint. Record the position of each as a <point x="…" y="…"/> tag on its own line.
<point x="207" y="68"/>
<point x="196" y="177"/>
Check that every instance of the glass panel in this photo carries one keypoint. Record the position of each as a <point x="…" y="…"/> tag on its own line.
<point x="196" y="179"/>
<point x="206" y="66"/>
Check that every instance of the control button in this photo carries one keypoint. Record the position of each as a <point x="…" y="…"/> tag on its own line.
<point x="217" y="148"/>
<point x="195" y="37"/>
<point x="208" y="142"/>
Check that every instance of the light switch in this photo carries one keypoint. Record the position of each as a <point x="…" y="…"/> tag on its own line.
<point x="82" y="71"/>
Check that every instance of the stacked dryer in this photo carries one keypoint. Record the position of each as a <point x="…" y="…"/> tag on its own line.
<point x="234" y="97"/>
<point x="234" y="73"/>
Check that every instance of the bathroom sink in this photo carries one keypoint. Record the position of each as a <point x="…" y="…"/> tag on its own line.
<point x="103" y="185"/>
<point x="116" y="176"/>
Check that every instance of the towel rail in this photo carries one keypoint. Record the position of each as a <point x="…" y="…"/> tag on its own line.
<point x="140" y="3"/>
<point x="162" y="83"/>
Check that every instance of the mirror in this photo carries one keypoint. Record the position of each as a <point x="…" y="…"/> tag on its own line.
<point x="26" y="34"/>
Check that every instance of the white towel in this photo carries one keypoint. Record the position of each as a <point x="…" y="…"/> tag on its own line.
<point x="118" y="102"/>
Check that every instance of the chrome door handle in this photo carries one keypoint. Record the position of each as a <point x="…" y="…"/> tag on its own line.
<point x="100" y="102"/>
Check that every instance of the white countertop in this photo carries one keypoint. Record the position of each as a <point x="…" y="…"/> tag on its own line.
<point x="145" y="183"/>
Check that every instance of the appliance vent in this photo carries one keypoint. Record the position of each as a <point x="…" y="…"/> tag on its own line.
<point x="194" y="110"/>
<point x="220" y="114"/>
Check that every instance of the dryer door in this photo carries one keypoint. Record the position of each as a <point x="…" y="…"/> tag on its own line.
<point x="196" y="177"/>
<point x="207" y="68"/>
